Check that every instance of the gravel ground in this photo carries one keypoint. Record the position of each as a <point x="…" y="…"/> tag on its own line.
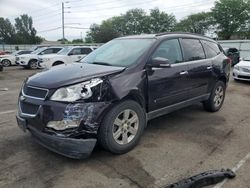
<point x="173" y="147"/>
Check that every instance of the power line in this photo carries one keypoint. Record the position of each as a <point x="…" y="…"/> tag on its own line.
<point x="47" y="30"/>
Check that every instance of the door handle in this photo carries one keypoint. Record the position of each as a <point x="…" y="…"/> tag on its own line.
<point x="209" y="67"/>
<point x="183" y="72"/>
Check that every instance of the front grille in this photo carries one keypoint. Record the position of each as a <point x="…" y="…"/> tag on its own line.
<point x="244" y="77"/>
<point x="35" y="92"/>
<point x="28" y="108"/>
<point x="245" y="70"/>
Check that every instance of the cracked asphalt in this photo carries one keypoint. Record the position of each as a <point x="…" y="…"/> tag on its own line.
<point x="173" y="147"/>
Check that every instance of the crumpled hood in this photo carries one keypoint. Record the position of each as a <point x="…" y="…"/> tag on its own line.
<point x="67" y="74"/>
<point x="244" y="64"/>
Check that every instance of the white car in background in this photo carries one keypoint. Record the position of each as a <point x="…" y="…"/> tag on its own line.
<point x="241" y="70"/>
<point x="10" y="59"/>
<point x="31" y="60"/>
<point x="67" y="55"/>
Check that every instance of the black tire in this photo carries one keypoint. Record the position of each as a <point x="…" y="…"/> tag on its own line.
<point x="213" y="105"/>
<point x="33" y="64"/>
<point x="106" y="130"/>
<point x="6" y="62"/>
<point x="57" y="63"/>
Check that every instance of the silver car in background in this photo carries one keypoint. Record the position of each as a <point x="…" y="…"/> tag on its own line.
<point x="241" y="70"/>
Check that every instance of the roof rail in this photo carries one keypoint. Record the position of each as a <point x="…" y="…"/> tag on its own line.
<point x="167" y="33"/>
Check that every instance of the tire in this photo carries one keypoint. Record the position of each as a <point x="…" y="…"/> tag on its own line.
<point x="33" y="64"/>
<point x="6" y="62"/>
<point x="216" y="98"/>
<point x="109" y="130"/>
<point x="57" y="63"/>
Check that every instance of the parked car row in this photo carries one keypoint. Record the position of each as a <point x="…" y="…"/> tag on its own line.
<point x="46" y="57"/>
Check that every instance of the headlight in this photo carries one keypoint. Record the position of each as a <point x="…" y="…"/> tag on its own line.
<point x="76" y="92"/>
<point x="237" y="68"/>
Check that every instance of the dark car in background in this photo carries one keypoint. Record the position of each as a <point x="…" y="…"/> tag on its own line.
<point x="233" y="54"/>
<point x="110" y="96"/>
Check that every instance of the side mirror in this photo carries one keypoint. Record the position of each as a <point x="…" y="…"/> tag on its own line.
<point x="70" y="53"/>
<point x="160" y="62"/>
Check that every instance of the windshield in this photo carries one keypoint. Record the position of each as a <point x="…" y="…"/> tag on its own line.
<point x="64" y="51"/>
<point x="37" y="51"/>
<point x="119" y="52"/>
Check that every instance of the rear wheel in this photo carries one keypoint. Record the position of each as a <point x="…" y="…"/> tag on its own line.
<point x="6" y="62"/>
<point x="122" y="127"/>
<point x="216" y="99"/>
<point x="33" y="64"/>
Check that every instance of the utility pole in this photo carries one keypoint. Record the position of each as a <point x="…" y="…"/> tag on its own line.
<point x="63" y="23"/>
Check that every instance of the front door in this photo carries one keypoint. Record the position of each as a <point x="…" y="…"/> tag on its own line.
<point x="167" y="86"/>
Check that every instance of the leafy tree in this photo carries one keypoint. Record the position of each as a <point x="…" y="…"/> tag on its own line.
<point x="7" y="31"/>
<point x="101" y="33"/>
<point x="158" y="22"/>
<point x="231" y="16"/>
<point x="25" y="32"/>
<point x="196" y="23"/>
<point x="133" y="22"/>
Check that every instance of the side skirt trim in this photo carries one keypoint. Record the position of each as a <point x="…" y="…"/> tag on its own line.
<point x="174" y="107"/>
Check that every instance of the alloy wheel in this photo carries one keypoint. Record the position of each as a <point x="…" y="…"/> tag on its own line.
<point x="125" y="127"/>
<point x="219" y="96"/>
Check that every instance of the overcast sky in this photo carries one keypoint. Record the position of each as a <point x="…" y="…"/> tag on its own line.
<point x="82" y="13"/>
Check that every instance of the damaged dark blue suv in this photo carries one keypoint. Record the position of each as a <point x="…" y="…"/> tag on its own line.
<point x="109" y="97"/>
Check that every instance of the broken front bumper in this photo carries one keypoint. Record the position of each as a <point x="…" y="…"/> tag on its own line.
<point x="69" y="147"/>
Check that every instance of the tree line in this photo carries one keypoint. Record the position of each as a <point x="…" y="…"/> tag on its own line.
<point x="227" y="19"/>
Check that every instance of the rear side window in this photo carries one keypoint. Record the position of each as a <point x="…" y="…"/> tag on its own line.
<point x="169" y="49"/>
<point x="192" y="50"/>
<point x="86" y="50"/>
<point x="211" y="48"/>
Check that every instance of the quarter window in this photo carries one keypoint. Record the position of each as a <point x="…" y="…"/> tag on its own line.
<point x="169" y="49"/>
<point x="211" y="48"/>
<point x="192" y="50"/>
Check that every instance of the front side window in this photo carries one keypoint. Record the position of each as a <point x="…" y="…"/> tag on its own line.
<point x="55" y="50"/>
<point x="192" y="50"/>
<point x="211" y="48"/>
<point x="169" y="49"/>
<point x="47" y="51"/>
<point x="76" y="51"/>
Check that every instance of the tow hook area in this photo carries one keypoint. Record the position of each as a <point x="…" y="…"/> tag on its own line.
<point x="204" y="179"/>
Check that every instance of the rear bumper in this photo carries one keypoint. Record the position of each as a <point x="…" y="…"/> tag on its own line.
<point x="69" y="147"/>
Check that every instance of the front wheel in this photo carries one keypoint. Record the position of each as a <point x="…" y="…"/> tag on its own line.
<point x="216" y="99"/>
<point x="33" y="64"/>
<point x="122" y="127"/>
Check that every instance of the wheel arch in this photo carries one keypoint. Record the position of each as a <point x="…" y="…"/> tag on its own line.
<point x="57" y="62"/>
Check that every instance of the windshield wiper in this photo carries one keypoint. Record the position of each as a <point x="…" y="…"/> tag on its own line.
<point x="102" y="63"/>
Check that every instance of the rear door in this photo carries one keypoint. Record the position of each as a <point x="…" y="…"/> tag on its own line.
<point x="167" y="86"/>
<point x="199" y="68"/>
